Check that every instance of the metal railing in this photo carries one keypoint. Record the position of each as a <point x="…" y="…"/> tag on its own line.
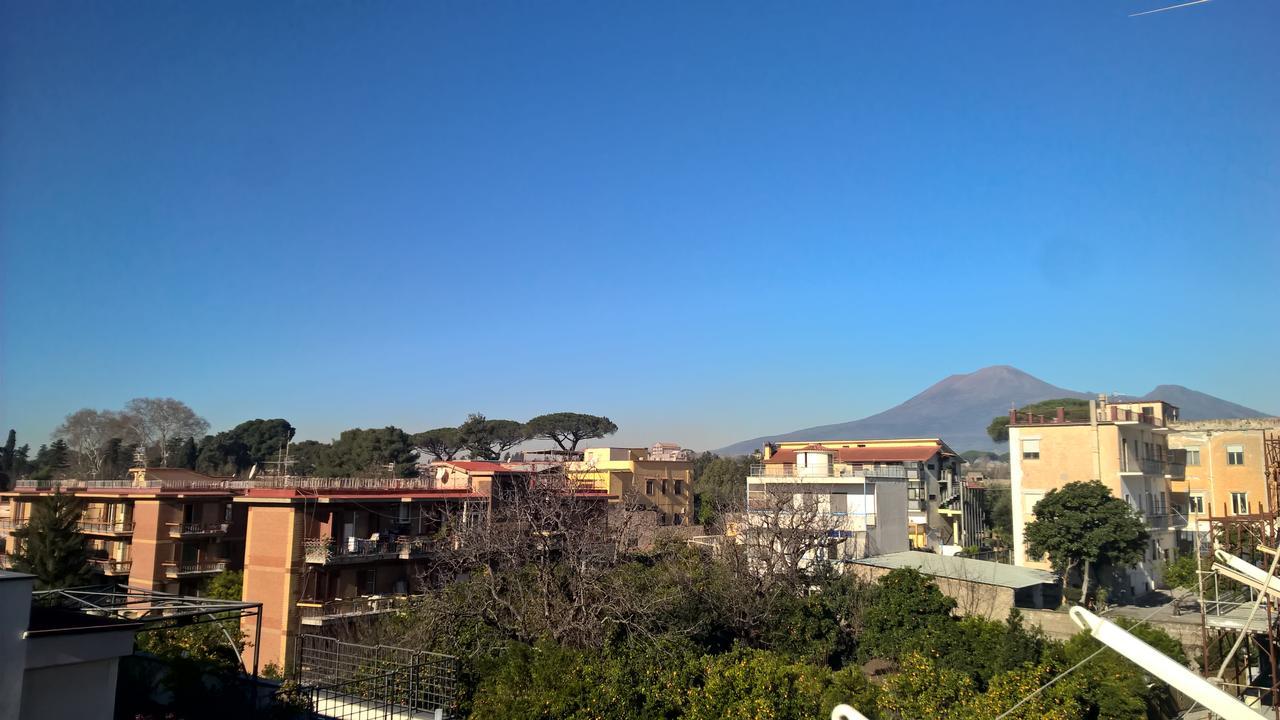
<point x="106" y="528"/>
<point x="170" y="484"/>
<point x="1165" y="516"/>
<point x="339" y="676"/>
<point x="416" y="546"/>
<point x="315" y="612"/>
<point x="111" y="566"/>
<point x="189" y="529"/>
<point x="789" y="470"/>
<point x="13" y="523"/>
<point x="194" y="567"/>
<point x="324" y="550"/>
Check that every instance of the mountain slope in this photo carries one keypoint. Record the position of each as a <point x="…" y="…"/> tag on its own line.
<point x="958" y="409"/>
<point x="1195" y="405"/>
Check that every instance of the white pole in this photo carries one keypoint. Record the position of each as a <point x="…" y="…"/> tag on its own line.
<point x="1160" y="665"/>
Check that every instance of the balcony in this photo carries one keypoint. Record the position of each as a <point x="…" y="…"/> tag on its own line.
<point x="10" y="524"/>
<point x="323" y="551"/>
<point x="195" y="568"/>
<point x="323" y="612"/>
<point x="1165" y="516"/>
<point x="197" y="530"/>
<point x="416" y="546"/>
<point x="96" y="527"/>
<point x="770" y="471"/>
<point x="111" y="566"/>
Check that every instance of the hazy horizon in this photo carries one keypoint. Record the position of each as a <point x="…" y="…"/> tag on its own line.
<point x="708" y="223"/>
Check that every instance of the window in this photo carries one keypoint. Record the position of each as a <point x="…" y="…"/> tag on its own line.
<point x="1031" y="449"/>
<point x="648" y="487"/>
<point x="664" y="487"/>
<point x="1239" y="503"/>
<point x="1196" y="504"/>
<point x="839" y="503"/>
<point x="679" y="487"/>
<point x="1235" y="454"/>
<point x="1193" y="456"/>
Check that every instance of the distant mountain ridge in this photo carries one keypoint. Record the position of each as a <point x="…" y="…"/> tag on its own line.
<point x="958" y="409"/>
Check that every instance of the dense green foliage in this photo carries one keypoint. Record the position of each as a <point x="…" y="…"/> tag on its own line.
<point x="719" y="485"/>
<point x="695" y="635"/>
<point x="1082" y="524"/>
<point x="253" y="442"/>
<point x="442" y="443"/>
<point x="52" y="547"/>
<point x="376" y="452"/>
<point x="486" y="439"/>
<point x="997" y="510"/>
<point x="1075" y="410"/>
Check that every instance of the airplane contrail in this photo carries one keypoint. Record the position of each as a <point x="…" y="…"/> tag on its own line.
<point x="1171" y="7"/>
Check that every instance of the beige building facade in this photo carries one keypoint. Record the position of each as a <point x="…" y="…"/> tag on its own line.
<point x="1126" y="447"/>
<point x="657" y="479"/>
<point x="1225" y="466"/>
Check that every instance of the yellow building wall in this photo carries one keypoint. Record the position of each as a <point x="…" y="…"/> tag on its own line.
<point x="1213" y="478"/>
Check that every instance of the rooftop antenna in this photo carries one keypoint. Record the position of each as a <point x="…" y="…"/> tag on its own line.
<point x="1170" y="7"/>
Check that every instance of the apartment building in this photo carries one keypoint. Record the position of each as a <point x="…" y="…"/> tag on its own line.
<point x="942" y="511"/>
<point x="320" y="552"/>
<point x="163" y="529"/>
<point x="864" y="505"/>
<point x="657" y="479"/>
<point x="1226" y="466"/>
<point x="1124" y="445"/>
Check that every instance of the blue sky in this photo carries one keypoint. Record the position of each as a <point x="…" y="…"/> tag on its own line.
<point x="708" y="221"/>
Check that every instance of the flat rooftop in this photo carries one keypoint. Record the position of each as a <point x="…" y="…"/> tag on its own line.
<point x="967" y="569"/>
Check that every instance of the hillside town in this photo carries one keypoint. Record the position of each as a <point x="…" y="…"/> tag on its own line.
<point x="499" y="360"/>
<point x="307" y="567"/>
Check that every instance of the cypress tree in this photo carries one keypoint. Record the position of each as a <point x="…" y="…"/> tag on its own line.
<point x="53" y="548"/>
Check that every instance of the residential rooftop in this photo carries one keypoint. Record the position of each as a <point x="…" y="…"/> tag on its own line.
<point x="983" y="572"/>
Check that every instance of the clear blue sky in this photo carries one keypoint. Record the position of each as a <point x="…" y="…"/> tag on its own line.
<point x="708" y="221"/>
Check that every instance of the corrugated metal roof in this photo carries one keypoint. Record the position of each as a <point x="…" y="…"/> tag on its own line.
<point x="958" y="568"/>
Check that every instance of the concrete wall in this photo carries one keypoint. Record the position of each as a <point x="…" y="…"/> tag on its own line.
<point x="45" y="691"/>
<point x="15" y="614"/>
<point x="972" y="599"/>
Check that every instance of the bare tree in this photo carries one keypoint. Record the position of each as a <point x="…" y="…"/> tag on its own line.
<point x="156" y="421"/>
<point x="787" y="534"/>
<point x="87" y="433"/>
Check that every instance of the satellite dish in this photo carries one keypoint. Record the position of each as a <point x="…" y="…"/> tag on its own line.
<point x="253" y="471"/>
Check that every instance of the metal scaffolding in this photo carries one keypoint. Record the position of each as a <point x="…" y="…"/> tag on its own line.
<point x="1240" y="601"/>
<point x="155" y="610"/>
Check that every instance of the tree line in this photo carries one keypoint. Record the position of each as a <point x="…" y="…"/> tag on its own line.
<point x="95" y="444"/>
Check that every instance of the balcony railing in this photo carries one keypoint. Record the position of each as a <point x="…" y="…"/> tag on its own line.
<point x="866" y="472"/>
<point x="324" y="551"/>
<point x="191" y="568"/>
<point x="318" y="612"/>
<point x="95" y="527"/>
<point x="181" y="530"/>
<point x="416" y="546"/>
<point x="13" y="523"/>
<point x="1172" y="466"/>
<point x="111" y="566"/>
<point x="1165" y="516"/>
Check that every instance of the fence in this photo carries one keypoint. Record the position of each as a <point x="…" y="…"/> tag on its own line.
<point x="388" y="696"/>
<point x="363" y="680"/>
